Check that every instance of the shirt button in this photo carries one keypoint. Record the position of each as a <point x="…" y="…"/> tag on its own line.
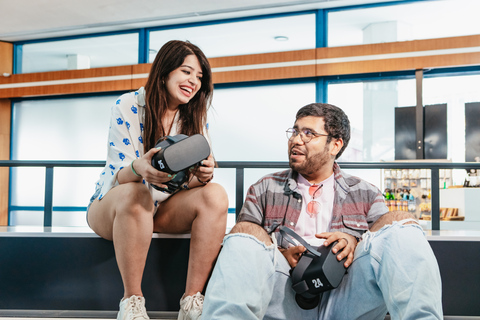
<point x="358" y="224"/>
<point x="299" y="200"/>
<point x="292" y="224"/>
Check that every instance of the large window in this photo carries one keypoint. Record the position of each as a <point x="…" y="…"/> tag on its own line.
<point x="57" y="129"/>
<point x="410" y="21"/>
<point x="370" y="106"/>
<point x="249" y="123"/>
<point x="296" y="32"/>
<point x="82" y="53"/>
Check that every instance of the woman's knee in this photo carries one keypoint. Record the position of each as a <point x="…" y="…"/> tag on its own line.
<point x="215" y="198"/>
<point x="134" y="198"/>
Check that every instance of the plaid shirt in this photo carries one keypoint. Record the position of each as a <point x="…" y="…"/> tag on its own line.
<point x="275" y="200"/>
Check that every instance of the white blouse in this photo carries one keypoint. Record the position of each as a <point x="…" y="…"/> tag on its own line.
<point x="125" y="142"/>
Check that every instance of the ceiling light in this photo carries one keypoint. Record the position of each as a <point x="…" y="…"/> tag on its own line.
<point x="281" y="38"/>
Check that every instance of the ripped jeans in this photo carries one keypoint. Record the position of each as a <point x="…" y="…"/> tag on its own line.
<point x="394" y="270"/>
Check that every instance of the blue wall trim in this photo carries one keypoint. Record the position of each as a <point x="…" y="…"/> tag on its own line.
<point x="17" y="58"/>
<point x="321" y="91"/>
<point x="143" y="45"/>
<point x="321" y="31"/>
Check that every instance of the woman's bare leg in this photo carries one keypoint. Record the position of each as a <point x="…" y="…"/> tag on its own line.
<point x="125" y="215"/>
<point x="203" y="212"/>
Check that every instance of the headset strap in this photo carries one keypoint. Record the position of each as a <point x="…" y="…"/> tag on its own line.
<point x="288" y="234"/>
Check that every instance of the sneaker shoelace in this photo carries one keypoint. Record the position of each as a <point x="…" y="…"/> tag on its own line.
<point x="137" y="308"/>
<point x="193" y="301"/>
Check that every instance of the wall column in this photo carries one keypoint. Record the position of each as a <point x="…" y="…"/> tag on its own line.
<point x="6" y="67"/>
<point x="380" y="98"/>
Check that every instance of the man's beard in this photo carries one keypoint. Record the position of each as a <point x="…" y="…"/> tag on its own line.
<point x="312" y="163"/>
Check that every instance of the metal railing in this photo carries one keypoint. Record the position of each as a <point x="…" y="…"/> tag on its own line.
<point x="240" y="167"/>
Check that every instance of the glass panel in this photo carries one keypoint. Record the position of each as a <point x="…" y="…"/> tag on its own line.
<point x="249" y="123"/>
<point x="459" y="207"/>
<point x="227" y="179"/>
<point x="57" y="129"/>
<point x="243" y="37"/>
<point x="74" y="186"/>
<point x="370" y="106"/>
<point x="410" y="21"/>
<point x="27" y="186"/>
<point x="26" y="218"/>
<point x="84" y="53"/>
<point x="61" y="129"/>
<point x="69" y="218"/>
<point x="455" y="92"/>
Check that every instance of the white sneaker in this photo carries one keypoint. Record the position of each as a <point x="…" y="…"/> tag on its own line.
<point x="191" y="307"/>
<point x="132" y="308"/>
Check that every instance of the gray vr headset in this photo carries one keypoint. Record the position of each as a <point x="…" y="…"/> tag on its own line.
<point x="317" y="271"/>
<point x="177" y="154"/>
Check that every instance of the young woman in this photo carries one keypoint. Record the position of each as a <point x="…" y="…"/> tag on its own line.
<point x="126" y="209"/>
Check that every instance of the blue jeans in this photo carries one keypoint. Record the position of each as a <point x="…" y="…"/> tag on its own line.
<point x="394" y="269"/>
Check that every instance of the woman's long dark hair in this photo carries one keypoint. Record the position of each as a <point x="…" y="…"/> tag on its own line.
<point x="193" y="115"/>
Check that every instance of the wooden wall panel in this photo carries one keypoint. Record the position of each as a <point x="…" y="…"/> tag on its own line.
<point x="399" y="56"/>
<point x="6" y="58"/>
<point x="387" y="65"/>
<point x="89" y="87"/>
<point x="6" y="66"/>
<point x="5" y="116"/>
<point x="264" y="74"/>
<point x="140" y="75"/>
<point x="399" y="47"/>
<point x="252" y="59"/>
<point x="358" y="59"/>
<point x="67" y="82"/>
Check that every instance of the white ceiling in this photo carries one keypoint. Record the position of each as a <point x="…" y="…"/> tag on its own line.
<point x="36" y="19"/>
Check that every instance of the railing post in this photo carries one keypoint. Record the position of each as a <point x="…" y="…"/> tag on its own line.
<point x="239" y="183"/>
<point x="435" y="198"/>
<point x="48" y="205"/>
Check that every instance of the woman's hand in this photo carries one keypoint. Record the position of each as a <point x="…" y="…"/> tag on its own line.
<point x="346" y="245"/>
<point x="293" y="254"/>
<point x="143" y="166"/>
<point x="204" y="172"/>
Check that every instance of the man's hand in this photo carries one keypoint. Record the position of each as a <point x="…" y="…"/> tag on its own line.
<point x="293" y="254"/>
<point x="346" y="245"/>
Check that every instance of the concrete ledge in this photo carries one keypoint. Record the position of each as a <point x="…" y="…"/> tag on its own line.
<point x="80" y="273"/>
<point x="68" y="232"/>
<point x="70" y="268"/>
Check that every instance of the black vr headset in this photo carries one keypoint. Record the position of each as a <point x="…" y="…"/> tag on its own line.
<point x="177" y="154"/>
<point x="317" y="271"/>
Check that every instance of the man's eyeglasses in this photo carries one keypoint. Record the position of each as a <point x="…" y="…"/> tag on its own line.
<point x="306" y="135"/>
